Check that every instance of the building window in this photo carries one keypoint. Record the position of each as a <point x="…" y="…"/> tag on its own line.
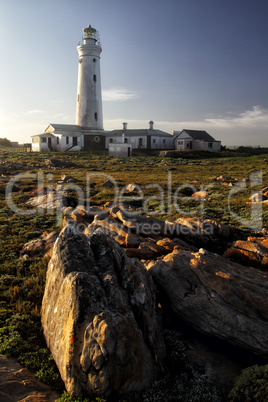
<point x="153" y="141"/>
<point x="67" y="140"/>
<point x="164" y="141"/>
<point x="180" y="142"/>
<point x="210" y="144"/>
<point x="140" y="142"/>
<point x="74" y="141"/>
<point x="111" y="140"/>
<point x="43" y="139"/>
<point x="96" y="116"/>
<point x="125" y="140"/>
<point x="94" y="78"/>
<point x="58" y="140"/>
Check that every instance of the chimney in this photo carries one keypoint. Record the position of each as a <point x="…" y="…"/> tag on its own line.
<point x="151" y="125"/>
<point x="124" y="126"/>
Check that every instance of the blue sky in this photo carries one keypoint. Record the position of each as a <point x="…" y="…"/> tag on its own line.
<point x="196" y="64"/>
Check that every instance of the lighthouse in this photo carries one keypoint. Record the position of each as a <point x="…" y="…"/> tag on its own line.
<point x="89" y="100"/>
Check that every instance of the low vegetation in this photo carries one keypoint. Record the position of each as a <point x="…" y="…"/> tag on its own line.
<point x="166" y="185"/>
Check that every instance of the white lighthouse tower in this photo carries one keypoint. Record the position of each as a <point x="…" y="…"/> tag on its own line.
<point x="89" y="100"/>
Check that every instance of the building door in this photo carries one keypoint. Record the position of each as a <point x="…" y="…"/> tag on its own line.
<point x="49" y="143"/>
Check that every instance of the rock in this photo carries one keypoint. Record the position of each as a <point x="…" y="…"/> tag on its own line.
<point x="114" y="228"/>
<point x="19" y="384"/>
<point x="140" y="225"/>
<point x="146" y="251"/>
<point x="51" y="200"/>
<point x="58" y="163"/>
<point x="200" y="194"/>
<point x="81" y="215"/>
<point x="131" y="188"/>
<point x="65" y="178"/>
<point x="99" y="316"/>
<point x="7" y="167"/>
<point x="108" y="184"/>
<point x="207" y="233"/>
<point x="253" y="252"/>
<point x="171" y="244"/>
<point x="226" y="178"/>
<point x="257" y="197"/>
<point x="41" y="247"/>
<point x="217" y="297"/>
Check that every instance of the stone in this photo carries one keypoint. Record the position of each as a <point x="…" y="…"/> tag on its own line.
<point x="171" y="244"/>
<point x="99" y="316"/>
<point x="207" y="233"/>
<point x="257" y="197"/>
<point x="65" y="178"/>
<point x="131" y="188"/>
<point x="146" y="251"/>
<point x="140" y="225"/>
<point x="41" y="247"/>
<point x="203" y="195"/>
<point x="108" y="184"/>
<point x="58" y="163"/>
<point x="226" y="178"/>
<point x="217" y="297"/>
<point x="51" y="200"/>
<point x="252" y="252"/>
<point x="19" y="384"/>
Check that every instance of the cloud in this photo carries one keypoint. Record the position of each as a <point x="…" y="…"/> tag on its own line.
<point x="118" y="95"/>
<point x="34" y="112"/>
<point x="256" y="117"/>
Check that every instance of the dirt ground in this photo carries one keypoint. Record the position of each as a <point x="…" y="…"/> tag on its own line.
<point x="19" y="384"/>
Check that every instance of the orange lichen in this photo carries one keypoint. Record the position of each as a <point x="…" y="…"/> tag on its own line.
<point x="72" y="339"/>
<point x="223" y="275"/>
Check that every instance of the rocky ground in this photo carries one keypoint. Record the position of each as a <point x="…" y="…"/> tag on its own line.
<point x="19" y="384"/>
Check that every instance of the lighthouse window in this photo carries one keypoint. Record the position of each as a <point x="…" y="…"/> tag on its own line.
<point x="96" y="116"/>
<point x="94" y="78"/>
<point x="94" y="60"/>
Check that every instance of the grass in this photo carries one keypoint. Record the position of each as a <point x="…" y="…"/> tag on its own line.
<point x="166" y="186"/>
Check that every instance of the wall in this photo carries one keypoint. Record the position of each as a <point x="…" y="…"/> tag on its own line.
<point x="120" y="150"/>
<point x="161" y="142"/>
<point x="94" y="141"/>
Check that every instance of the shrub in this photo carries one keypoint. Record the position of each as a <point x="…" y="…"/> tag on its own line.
<point x="251" y="385"/>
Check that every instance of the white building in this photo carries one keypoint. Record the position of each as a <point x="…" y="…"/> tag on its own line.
<point x="140" y="138"/>
<point x="188" y="140"/>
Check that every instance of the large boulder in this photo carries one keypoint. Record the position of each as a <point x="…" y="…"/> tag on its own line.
<point x="217" y="297"/>
<point x="99" y="316"/>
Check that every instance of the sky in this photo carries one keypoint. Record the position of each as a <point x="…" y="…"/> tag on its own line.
<point x="185" y="64"/>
